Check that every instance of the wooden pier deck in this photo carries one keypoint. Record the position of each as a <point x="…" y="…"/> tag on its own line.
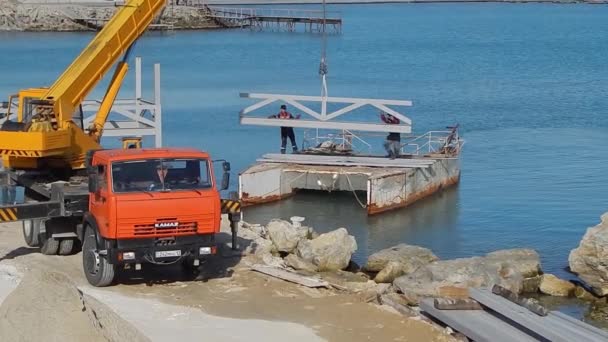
<point x="276" y="19"/>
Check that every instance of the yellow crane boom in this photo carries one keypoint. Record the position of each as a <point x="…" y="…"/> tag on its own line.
<point x="44" y="134"/>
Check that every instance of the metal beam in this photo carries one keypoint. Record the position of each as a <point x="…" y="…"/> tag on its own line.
<point x="352" y="159"/>
<point x="329" y="99"/>
<point x="351" y="126"/>
<point x="122" y="132"/>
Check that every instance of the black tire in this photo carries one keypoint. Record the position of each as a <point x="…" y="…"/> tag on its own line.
<point x="50" y="246"/>
<point x="97" y="269"/>
<point x="31" y="232"/>
<point x="66" y="246"/>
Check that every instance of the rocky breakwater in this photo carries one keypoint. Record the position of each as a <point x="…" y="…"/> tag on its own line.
<point x="284" y="244"/>
<point x="590" y="262"/>
<point x="18" y="16"/>
<point x="411" y="271"/>
<point x="416" y="272"/>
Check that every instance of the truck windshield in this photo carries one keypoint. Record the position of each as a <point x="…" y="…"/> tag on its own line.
<point x="160" y="175"/>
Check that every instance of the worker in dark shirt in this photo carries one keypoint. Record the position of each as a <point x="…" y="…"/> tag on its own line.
<point x="286" y="132"/>
<point x="392" y="145"/>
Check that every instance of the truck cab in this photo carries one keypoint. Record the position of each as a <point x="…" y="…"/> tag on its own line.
<point x="149" y="206"/>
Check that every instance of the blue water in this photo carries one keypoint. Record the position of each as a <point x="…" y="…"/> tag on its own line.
<point x="527" y="83"/>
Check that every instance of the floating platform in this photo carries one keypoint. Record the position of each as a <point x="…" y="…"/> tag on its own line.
<point x="378" y="184"/>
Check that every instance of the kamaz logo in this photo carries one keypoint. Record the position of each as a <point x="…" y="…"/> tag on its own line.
<point x="166" y="224"/>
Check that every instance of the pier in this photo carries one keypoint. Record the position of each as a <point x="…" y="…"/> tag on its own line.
<point x="276" y="19"/>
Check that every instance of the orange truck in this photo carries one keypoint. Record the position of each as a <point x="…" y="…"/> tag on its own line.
<point x="135" y="206"/>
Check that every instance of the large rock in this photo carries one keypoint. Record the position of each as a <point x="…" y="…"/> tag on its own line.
<point x="330" y="251"/>
<point x="532" y="284"/>
<point x="392" y="270"/>
<point x="254" y="243"/>
<point x="554" y="286"/>
<point x="463" y="273"/>
<point x="589" y="259"/>
<point x="582" y="294"/>
<point x="411" y="257"/>
<point x="526" y="261"/>
<point x="298" y="263"/>
<point x="284" y="235"/>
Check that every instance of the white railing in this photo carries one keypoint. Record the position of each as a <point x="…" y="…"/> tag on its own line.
<point x="435" y="142"/>
<point x="247" y="12"/>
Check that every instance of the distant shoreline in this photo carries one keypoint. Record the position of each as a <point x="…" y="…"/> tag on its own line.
<point x="355" y="2"/>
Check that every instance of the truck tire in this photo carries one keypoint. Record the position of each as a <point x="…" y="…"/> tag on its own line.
<point x="50" y="246"/>
<point x="31" y="232"/>
<point x="97" y="269"/>
<point x="66" y="246"/>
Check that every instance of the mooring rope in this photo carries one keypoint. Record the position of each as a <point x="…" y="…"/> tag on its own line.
<point x="352" y="188"/>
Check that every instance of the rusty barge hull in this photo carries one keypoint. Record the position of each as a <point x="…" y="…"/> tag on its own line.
<point x="387" y="184"/>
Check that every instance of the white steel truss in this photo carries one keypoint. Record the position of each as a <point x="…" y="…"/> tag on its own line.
<point x="135" y="117"/>
<point x="325" y="119"/>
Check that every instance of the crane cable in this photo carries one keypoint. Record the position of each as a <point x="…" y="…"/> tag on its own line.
<point x="323" y="64"/>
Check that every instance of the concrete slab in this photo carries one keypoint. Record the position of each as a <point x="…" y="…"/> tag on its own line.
<point x="10" y="278"/>
<point x="164" y="322"/>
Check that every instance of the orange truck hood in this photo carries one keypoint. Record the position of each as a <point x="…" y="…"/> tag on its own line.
<point x="137" y="214"/>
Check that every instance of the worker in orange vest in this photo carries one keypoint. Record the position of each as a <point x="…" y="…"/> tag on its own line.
<point x="286" y="132"/>
<point x="392" y="145"/>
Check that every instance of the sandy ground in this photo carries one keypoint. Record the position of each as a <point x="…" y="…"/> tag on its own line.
<point x="226" y="302"/>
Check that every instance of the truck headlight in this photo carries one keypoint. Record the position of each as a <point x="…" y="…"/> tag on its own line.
<point x="128" y="256"/>
<point x="204" y="250"/>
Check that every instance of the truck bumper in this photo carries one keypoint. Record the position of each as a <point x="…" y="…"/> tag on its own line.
<point x="153" y="250"/>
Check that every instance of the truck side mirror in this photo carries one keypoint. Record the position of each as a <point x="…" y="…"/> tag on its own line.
<point x="226" y="166"/>
<point x="93" y="185"/>
<point x="225" y="180"/>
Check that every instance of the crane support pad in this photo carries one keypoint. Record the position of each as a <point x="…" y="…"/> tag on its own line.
<point x="230" y="206"/>
<point x="29" y="211"/>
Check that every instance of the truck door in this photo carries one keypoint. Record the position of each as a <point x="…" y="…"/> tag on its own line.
<point x="100" y="205"/>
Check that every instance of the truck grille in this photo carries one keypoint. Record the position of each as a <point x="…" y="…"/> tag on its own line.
<point x="165" y="228"/>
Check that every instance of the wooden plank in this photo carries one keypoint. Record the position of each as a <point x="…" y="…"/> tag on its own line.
<point x="529" y="303"/>
<point x="602" y="334"/>
<point x="289" y="276"/>
<point x="550" y="328"/>
<point x="477" y="325"/>
<point x="456" y="304"/>
<point x="453" y="292"/>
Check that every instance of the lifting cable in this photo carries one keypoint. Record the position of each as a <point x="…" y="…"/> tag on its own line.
<point x="323" y="63"/>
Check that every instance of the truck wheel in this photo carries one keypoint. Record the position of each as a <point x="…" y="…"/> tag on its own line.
<point x="31" y="230"/>
<point x="97" y="269"/>
<point x="66" y="246"/>
<point x="50" y="246"/>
